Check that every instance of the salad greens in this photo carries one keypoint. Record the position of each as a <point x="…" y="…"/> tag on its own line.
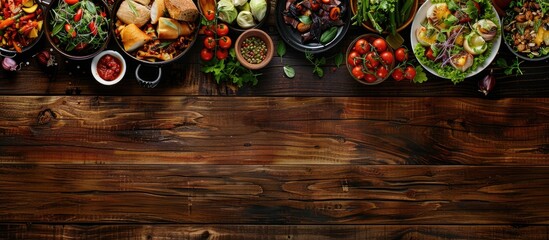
<point x="79" y="26"/>
<point x="446" y="55"/>
<point x="383" y="14"/>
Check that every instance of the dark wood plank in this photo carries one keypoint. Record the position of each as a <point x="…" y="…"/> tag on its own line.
<point x="283" y="194"/>
<point x="214" y="130"/>
<point x="183" y="77"/>
<point x="289" y="232"/>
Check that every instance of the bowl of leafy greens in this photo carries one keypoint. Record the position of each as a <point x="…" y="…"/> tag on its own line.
<point x="383" y="16"/>
<point x="78" y="29"/>
<point x="456" y="39"/>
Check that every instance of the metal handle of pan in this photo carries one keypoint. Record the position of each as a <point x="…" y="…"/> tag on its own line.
<point x="145" y="83"/>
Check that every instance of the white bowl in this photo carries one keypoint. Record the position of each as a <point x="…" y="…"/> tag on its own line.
<point x="421" y="15"/>
<point x="114" y="54"/>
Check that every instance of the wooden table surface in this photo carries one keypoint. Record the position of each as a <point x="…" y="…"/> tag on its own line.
<point x="303" y="158"/>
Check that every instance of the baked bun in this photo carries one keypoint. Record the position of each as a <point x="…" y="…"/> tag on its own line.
<point x="183" y="10"/>
<point x="127" y="15"/>
<point x="133" y="38"/>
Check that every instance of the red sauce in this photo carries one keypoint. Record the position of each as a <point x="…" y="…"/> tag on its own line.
<point x="109" y="67"/>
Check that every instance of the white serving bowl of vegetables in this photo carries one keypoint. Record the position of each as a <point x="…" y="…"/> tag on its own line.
<point x="456" y="40"/>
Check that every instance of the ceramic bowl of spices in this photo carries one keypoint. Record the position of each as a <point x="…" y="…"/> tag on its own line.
<point x="254" y="49"/>
<point x="108" y="67"/>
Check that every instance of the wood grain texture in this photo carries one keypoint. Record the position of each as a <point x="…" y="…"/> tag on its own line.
<point x="270" y="232"/>
<point x="215" y="130"/>
<point x="284" y="194"/>
<point x="183" y="77"/>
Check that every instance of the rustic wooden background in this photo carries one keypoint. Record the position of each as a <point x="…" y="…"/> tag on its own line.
<point x="303" y="158"/>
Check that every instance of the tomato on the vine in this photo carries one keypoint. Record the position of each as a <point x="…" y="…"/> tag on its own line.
<point x="209" y="15"/>
<point x="362" y="46"/>
<point x="380" y="45"/>
<point x="398" y="74"/>
<point x="371" y="60"/>
<point x="209" y="43"/>
<point x="387" y="57"/>
<point x="208" y="31"/>
<point x="225" y="42"/>
<point x="354" y="59"/>
<point x="410" y="73"/>
<point x="370" y="78"/>
<point x="401" y="54"/>
<point x="222" y="29"/>
<point x="382" y="72"/>
<point x="206" y="54"/>
<point x="357" y="72"/>
<point x="221" y="53"/>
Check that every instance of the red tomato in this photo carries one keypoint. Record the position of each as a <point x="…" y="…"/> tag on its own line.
<point x="357" y="72"/>
<point x="430" y="55"/>
<point x="222" y="53"/>
<point x="209" y="15"/>
<point x="78" y="15"/>
<point x="206" y="54"/>
<point x="398" y="74"/>
<point x="69" y="30"/>
<point x="362" y="46"/>
<point x="371" y="60"/>
<point x="370" y="78"/>
<point x="225" y="42"/>
<point x="354" y="59"/>
<point x="71" y="2"/>
<point x="387" y="57"/>
<point x="382" y="72"/>
<point x="410" y="73"/>
<point x="334" y="12"/>
<point x="326" y="1"/>
<point x="93" y="28"/>
<point x="401" y="54"/>
<point x="380" y="45"/>
<point x="222" y="29"/>
<point x="209" y="42"/>
<point x="80" y="46"/>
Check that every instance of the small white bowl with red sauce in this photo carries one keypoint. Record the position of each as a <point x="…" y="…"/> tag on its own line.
<point x="108" y="67"/>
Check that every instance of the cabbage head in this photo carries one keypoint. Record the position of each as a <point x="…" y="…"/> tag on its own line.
<point x="227" y="11"/>
<point x="259" y="9"/>
<point x="245" y="19"/>
<point x="237" y="3"/>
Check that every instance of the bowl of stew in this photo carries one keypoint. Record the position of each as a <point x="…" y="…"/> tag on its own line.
<point x="21" y="27"/>
<point x="108" y="67"/>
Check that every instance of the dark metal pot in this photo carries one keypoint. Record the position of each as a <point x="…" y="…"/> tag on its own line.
<point x="11" y="52"/>
<point x="158" y="65"/>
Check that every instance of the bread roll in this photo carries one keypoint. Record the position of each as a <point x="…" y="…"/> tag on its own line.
<point x="183" y="10"/>
<point x="158" y="9"/>
<point x="133" y="38"/>
<point x="136" y="13"/>
<point x="171" y="29"/>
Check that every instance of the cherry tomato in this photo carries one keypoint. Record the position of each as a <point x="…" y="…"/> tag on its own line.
<point x="93" y="28"/>
<point x="382" y="72"/>
<point x="398" y="74"/>
<point x="208" y="31"/>
<point x="334" y="12"/>
<point x="71" y="2"/>
<point x="326" y="1"/>
<point x="357" y="72"/>
<point x="209" y="15"/>
<point x="315" y="5"/>
<point x="69" y="30"/>
<point x="209" y="42"/>
<point x="370" y="78"/>
<point x="380" y="45"/>
<point x="225" y="42"/>
<point x="430" y="55"/>
<point x="362" y="46"/>
<point x="78" y="15"/>
<point x="387" y="57"/>
<point x="222" y="53"/>
<point x="222" y="29"/>
<point x="206" y="54"/>
<point x="371" y="60"/>
<point x="354" y="58"/>
<point x="80" y="46"/>
<point x="401" y="54"/>
<point x="103" y="14"/>
<point x="410" y="73"/>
